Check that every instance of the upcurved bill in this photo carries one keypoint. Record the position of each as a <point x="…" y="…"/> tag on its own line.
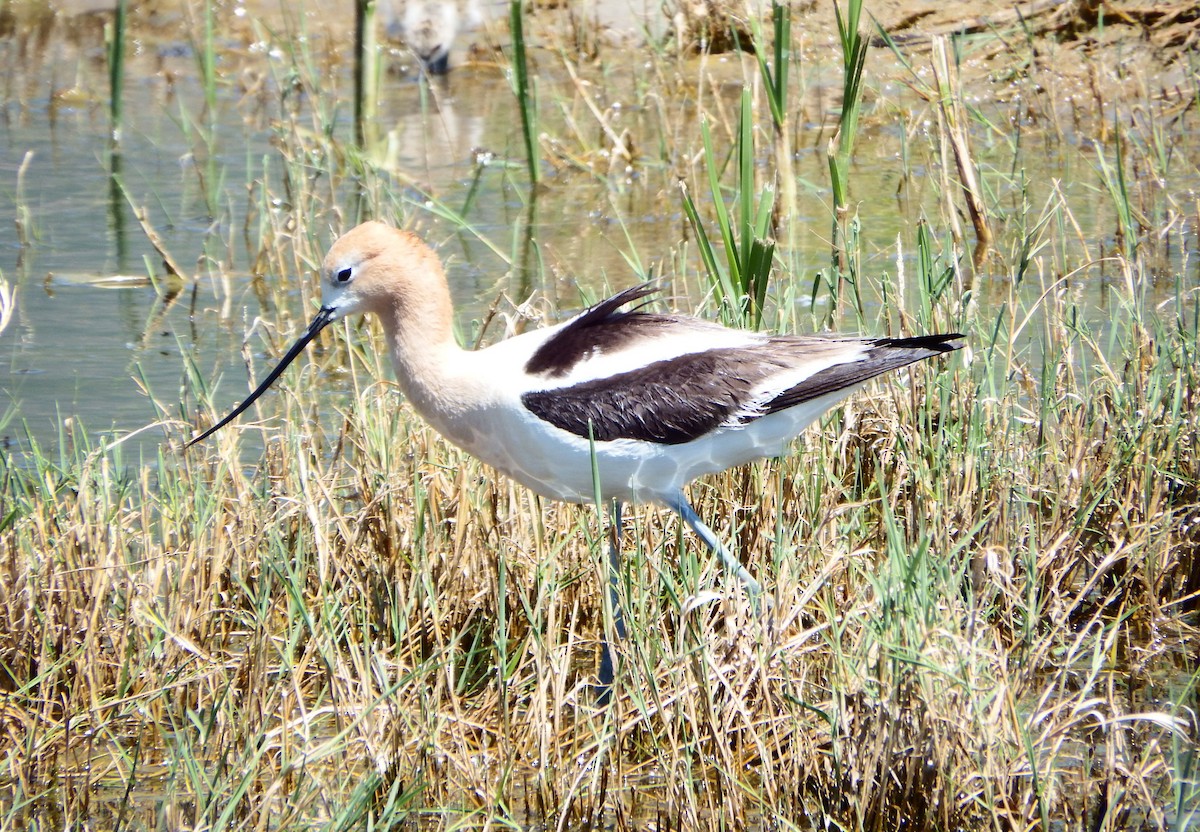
<point x="322" y="319"/>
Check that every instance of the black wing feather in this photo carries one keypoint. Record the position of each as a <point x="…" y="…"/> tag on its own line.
<point x="669" y="402"/>
<point x="885" y="354"/>
<point x="602" y="327"/>
<point x="680" y="399"/>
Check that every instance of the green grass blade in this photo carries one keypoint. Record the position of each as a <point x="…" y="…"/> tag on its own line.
<point x="526" y="104"/>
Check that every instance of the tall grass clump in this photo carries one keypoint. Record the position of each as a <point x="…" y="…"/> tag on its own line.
<point x="774" y="57"/>
<point x="841" y="146"/>
<point x="1113" y="177"/>
<point x="773" y="64"/>
<point x="958" y="168"/>
<point x="363" y="624"/>
<point x="200" y="130"/>
<point x="740" y="282"/>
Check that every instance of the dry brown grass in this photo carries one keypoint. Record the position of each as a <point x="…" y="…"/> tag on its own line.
<point x="1003" y="639"/>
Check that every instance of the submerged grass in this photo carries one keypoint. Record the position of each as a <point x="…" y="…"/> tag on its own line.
<point x="984" y="575"/>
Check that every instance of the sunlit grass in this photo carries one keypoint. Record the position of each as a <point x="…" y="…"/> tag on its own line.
<point x="740" y="283"/>
<point x="983" y="571"/>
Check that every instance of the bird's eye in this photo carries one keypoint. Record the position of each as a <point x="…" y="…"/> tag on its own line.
<point x="343" y="276"/>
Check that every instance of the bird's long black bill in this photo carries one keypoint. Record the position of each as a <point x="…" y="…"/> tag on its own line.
<point x="322" y="320"/>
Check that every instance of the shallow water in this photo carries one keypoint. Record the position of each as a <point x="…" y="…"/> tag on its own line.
<point x="90" y="330"/>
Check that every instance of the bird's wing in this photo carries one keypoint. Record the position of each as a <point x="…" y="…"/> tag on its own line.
<point x="668" y="402"/>
<point x="686" y="396"/>
<point x="603" y="328"/>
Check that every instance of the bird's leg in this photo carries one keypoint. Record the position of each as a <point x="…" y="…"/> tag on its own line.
<point x="615" y="531"/>
<point x="607" y="665"/>
<point x="684" y="509"/>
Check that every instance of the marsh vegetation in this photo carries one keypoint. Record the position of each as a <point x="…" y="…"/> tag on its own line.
<point x="984" y="576"/>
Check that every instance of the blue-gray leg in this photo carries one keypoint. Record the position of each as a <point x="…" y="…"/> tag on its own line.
<point x="684" y="509"/>
<point x="607" y="665"/>
<point x="440" y="65"/>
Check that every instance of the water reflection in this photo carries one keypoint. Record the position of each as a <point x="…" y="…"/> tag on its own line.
<point x="430" y="28"/>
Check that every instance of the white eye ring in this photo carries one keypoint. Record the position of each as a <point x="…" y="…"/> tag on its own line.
<point x="344" y="275"/>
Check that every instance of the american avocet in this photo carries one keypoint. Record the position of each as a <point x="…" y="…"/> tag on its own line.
<point x="429" y="27"/>
<point x="654" y="400"/>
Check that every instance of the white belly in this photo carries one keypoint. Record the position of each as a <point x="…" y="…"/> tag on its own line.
<point x="559" y="465"/>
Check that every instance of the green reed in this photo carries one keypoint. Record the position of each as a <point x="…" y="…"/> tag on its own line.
<point x="366" y="82"/>
<point x="523" y="90"/>
<point x="116" y="68"/>
<point x="740" y="282"/>
<point x="774" y="70"/>
<point x="1113" y="176"/>
<point x="841" y="147"/>
<point x="206" y="56"/>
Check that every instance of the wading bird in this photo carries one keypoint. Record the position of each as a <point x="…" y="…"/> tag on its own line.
<point x="429" y="27"/>
<point x="645" y="402"/>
